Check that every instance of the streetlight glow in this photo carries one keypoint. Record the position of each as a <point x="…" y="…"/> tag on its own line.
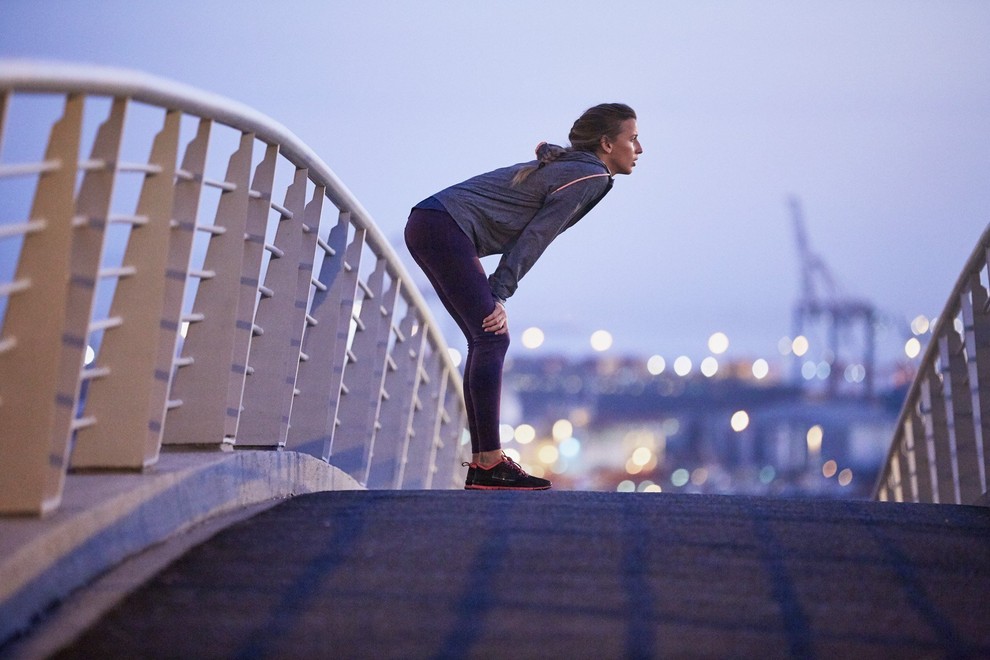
<point x="601" y="340"/>
<point x="739" y="421"/>
<point x="718" y="343"/>
<point x="532" y="338"/>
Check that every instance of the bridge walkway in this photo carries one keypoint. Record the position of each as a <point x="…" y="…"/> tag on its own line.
<point x="567" y="574"/>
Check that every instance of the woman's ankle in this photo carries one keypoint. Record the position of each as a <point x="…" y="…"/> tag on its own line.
<point x="488" y="459"/>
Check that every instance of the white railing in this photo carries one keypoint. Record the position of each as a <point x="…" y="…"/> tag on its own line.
<point x="177" y="269"/>
<point x="939" y="450"/>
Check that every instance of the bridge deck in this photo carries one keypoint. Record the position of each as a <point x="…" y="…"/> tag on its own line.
<point x="567" y="574"/>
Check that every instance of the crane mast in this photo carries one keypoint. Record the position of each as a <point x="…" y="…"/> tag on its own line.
<point x="821" y="306"/>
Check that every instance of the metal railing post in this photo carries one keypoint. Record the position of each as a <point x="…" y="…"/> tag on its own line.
<point x="33" y="449"/>
<point x="280" y="319"/>
<point x="201" y="385"/>
<point x="137" y="362"/>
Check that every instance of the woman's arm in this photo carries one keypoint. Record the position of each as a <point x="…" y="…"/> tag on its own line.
<point x="561" y="209"/>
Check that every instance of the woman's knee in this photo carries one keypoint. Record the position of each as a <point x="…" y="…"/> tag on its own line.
<point x="491" y="343"/>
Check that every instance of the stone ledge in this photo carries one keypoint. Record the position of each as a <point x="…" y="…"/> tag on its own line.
<point x="108" y="517"/>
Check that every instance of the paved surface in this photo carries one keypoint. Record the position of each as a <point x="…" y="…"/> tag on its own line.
<point x="567" y="575"/>
<point x="106" y="517"/>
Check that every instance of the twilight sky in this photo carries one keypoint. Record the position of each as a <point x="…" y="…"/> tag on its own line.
<point x="875" y="113"/>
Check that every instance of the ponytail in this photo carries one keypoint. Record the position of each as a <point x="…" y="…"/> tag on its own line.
<point x="545" y="153"/>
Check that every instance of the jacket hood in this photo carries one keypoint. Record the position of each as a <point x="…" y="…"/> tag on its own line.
<point x="582" y="157"/>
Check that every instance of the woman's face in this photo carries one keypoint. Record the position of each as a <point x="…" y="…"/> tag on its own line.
<point x="620" y="154"/>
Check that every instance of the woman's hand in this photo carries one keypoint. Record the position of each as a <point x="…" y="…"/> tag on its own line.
<point x="497" y="321"/>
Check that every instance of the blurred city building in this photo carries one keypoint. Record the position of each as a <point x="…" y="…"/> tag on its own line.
<point x="607" y="423"/>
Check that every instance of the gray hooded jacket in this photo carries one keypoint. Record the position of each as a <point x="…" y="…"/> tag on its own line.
<point x="519" y="221"/>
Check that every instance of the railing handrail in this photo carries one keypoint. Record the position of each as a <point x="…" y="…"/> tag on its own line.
<point x="931" y="436"/>
<point x="946" y="317"/>
<point x="47" y="76"/>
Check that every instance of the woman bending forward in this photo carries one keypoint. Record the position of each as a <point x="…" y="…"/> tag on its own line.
<point x="514" y="211"/>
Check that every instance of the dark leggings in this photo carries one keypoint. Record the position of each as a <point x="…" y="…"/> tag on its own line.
<point x="450" y="261"/>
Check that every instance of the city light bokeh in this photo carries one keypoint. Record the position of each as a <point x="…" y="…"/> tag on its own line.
<point x="739" y="421"/>
<point x="601" y="340"/>
<point x="650" y="457"/>
<point x="718" y="343"/>
<point x="572" y="447"/>
<point x="532" y="338"/>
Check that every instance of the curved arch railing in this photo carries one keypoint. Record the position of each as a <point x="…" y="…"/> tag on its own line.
<point x="177" y="269"/>
<point x="939" y="449"/>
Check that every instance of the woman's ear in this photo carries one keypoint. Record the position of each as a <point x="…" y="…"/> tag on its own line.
<point x="605" y="144"/>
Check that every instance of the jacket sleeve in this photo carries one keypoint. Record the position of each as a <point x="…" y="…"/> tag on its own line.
<point x="562" y="208"/>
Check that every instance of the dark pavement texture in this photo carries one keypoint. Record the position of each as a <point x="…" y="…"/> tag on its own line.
<point x="400" y="574"/>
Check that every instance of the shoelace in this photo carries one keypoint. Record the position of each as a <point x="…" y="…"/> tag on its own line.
<point x="505" y="459"/>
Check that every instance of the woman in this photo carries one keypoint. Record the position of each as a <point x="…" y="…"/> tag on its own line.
<point x="515" y="211"/>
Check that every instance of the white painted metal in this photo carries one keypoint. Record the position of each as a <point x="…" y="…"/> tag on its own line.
<point x="233" y="318"/>
<point x="942" y="431"/>
<point x="129" y="435"/>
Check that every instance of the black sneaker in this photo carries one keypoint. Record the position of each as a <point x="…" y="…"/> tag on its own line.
<point x="504" y="475"/>
<point x="472" y="470"/>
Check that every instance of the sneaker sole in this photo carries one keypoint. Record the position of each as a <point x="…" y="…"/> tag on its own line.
<point x="507" y="487"/>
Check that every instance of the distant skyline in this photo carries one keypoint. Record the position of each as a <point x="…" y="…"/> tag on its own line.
<point x="873" y="113"/>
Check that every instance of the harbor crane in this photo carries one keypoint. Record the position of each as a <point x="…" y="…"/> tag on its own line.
<point x="822" y="307"/>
